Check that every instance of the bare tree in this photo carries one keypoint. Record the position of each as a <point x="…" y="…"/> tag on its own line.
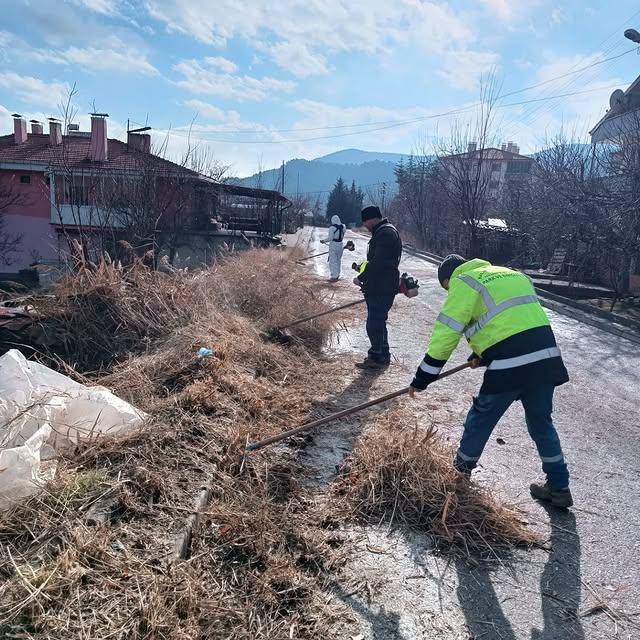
<point x="203" y="161"/>
<point x="465" y="167"/>
<point x="10" y="243"/>
<point x="380" y="195"/>
<point x="586" y="199"/>
<point x="419" y="206"/>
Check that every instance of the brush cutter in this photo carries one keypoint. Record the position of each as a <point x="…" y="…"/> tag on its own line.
<point x="408" y="286"/>
<point x="349" y="246"/>
<point x="254" y="446"/>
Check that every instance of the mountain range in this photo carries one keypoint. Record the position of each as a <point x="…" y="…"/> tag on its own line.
<point x="315" y="178"/>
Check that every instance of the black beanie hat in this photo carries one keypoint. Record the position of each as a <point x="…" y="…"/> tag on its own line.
<point x="448" y="266"/>
<point x="369" y="213"/>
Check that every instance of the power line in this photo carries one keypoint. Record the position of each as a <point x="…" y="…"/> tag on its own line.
<point x="609" y="47"/>
<point x="375" y="129"/>
<point x="391" y="123"/>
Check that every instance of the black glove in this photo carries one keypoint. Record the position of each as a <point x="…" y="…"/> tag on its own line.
<point x="475" y="356"/>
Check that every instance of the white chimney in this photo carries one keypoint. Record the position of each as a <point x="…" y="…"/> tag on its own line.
<point x="36" y="127"/>
<point x="19" y="128"/>
<point x="98" y="151"/>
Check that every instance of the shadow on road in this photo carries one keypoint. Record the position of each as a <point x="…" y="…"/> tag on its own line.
<point x="385" y="625"/>
<point x="560" y="585"/>
<point x="327" y="447"/>
<point x="480" y="603"/>
<point x="559" y="588"/>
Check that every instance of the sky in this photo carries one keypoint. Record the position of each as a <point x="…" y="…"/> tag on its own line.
<point x="255" y="83"/>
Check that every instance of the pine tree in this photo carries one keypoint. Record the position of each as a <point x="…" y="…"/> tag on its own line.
<point x="338" y="202"/>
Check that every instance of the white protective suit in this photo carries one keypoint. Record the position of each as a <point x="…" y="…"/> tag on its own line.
<point x="334" y="239"/>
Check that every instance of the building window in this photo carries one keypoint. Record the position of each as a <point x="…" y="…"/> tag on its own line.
<point x="494" y="185"/>
<point x="518" y="166"/>
<point x="25" y="179"/>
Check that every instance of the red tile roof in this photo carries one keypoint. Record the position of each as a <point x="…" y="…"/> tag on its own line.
<point x="73" y="154"/>
<point x="491" y="153"/>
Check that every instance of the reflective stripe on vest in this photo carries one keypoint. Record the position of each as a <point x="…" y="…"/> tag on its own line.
<point x="451" y="323"/>
<point x="428" y="368"/>
<point x="493" y="309"/>
<point x="527" y="358"/>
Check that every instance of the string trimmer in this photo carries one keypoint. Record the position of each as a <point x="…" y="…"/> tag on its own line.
<point x="343" y="414"/>
<point x="408" y="286"/>
<point x="349" y="246"/>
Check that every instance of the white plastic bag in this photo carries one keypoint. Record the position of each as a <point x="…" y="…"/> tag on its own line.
<point x="39" y="406"/>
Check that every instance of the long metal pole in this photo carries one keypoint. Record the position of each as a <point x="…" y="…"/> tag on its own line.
<point x="323" y="313"/>
<point x="343" y="414"/>
<point x="315" y="255"/>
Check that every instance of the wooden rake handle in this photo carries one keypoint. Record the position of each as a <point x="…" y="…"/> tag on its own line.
<point x="343" y="414"/>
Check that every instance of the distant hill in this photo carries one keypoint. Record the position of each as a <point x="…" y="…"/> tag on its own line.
<point x="356" y="156"/>
<point x="316" y="177"/>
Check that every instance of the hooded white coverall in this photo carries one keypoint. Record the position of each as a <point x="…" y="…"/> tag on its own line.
<point x="334" y="239"/>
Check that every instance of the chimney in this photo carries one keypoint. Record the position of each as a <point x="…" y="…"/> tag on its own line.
<point x="98" y="151"/>
<point x="36" y="127"/>
<point x="19" y="128"/>
<point x="55" y="132"/>
<point x="472" y="146"/>
<point x="503" y="147"/>
<point x="139" y="142"/>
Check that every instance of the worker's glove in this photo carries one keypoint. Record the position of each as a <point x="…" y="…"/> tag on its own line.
<point x="476" y="361"/>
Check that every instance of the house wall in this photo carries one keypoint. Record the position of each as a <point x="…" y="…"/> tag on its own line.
<point x="29" y="217"/>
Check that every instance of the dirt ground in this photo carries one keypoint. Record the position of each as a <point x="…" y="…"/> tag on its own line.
<point x="586" y="584"/>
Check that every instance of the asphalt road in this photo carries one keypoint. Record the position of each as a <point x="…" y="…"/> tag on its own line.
<point x="594" y="549"/>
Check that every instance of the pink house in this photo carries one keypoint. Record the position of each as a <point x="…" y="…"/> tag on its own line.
<point x="54" y="186"/>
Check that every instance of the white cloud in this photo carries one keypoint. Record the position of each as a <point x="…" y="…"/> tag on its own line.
<point x="98" y="59"/>
<point x="463" y="69"/>
<point x="298" y="59"/>
<point x="202" y="77"/>
<point x="502" y="8"/>
<point x="205" y="109"/>
<point x="33" y="91"/>
<point x="558" y="16"/>
<point x="227" y="66"/>
<point x="300" y="35"/>
<point x="105" y="7"/>
<point x="560" y="66"/>
<point x="110" y="54"/>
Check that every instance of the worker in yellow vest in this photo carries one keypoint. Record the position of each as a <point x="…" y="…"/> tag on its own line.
<point x="497" y="310"/>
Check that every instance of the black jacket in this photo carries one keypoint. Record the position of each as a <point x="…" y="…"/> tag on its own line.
<point x="381" y="276"/>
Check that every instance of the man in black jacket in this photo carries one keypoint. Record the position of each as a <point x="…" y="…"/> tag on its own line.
<point x="380" y="281"/>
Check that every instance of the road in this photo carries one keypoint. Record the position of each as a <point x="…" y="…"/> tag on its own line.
<point x="594" y="548"/>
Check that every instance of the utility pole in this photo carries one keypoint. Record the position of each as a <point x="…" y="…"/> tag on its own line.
<point x="283" y="177"/>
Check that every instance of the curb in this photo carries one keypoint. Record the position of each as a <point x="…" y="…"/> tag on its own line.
<point x="610" y="322"/>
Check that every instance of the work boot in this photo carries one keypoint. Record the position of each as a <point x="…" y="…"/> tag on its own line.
<point x="556" y="497"/>
<point x="371" y="365"/>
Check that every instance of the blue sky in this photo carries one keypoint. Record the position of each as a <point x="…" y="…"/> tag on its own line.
<point x="258" y="82"/>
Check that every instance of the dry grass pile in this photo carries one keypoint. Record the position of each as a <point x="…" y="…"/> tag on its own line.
<point x="98" y="317"/>
<point x="406" y="478"/>
<point x="94" y="555"/>
<point x="258" y="565"/>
